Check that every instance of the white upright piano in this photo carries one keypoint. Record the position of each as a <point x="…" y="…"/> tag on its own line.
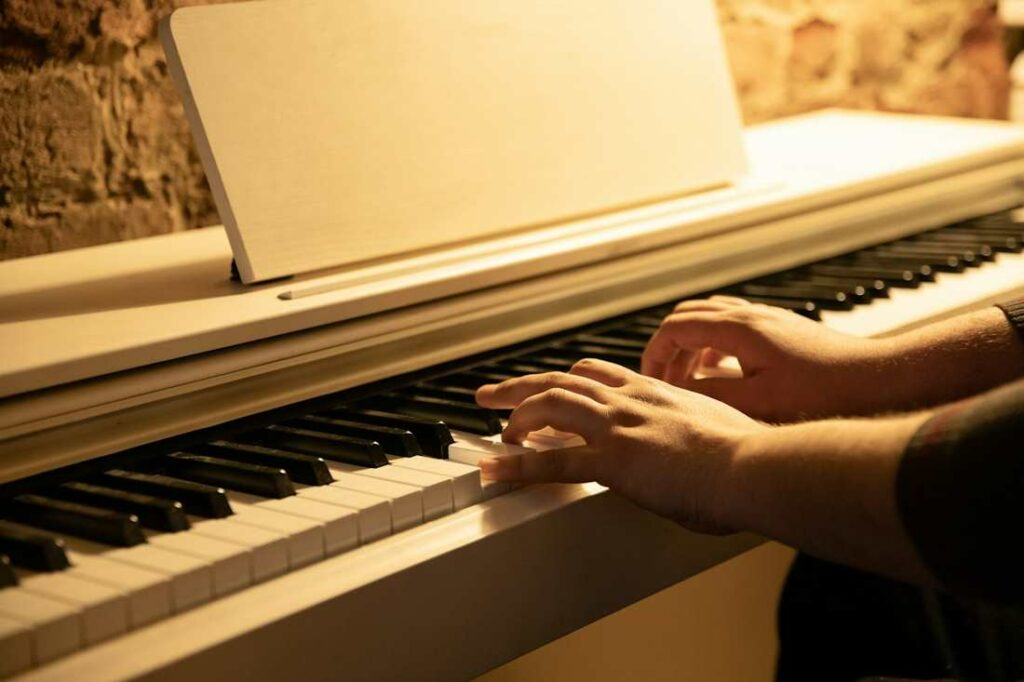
<point x="272" y="475"/>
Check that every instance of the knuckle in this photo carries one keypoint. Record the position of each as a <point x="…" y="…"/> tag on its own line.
<point x="551" y="380"/>
<point x="583" y="364"/>
<point x="554" y="396"/>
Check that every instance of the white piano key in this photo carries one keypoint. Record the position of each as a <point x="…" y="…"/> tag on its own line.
<point x="149" y="593"/>
<point x="191" y="578"/>
<point x="104" y="609"/>
<point x="268" y="549"/>
<point x="466" y="483"/>
<point x="15" y="647"/>
<point x="374" y="511"/>
<point x="405" y="500"/>
<point x="231" y="563"/>
<point x="305" y="538"/>
<point x="438" y="499"/>
<point x="490" y="489"/>
<point x="55" y="626"/>
<point x="470" y="449"/>
<point x="340" y="526"/>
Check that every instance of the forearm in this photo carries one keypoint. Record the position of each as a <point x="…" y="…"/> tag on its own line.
<point x="828" y="488"/>
<point x="950" y="360"/>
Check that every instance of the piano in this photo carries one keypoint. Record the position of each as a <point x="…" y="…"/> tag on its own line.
<point x="204" y="478"/>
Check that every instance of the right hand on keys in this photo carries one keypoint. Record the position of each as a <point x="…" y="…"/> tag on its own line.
<point x="793" y="368"/>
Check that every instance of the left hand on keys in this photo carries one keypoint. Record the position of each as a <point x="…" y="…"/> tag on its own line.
<point x="667" y="449"/>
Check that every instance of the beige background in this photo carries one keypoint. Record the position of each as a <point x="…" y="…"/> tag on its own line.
<point x="94" y="147"/>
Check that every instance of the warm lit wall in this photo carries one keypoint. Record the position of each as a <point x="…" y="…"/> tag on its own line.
<point x="94" y="147"/>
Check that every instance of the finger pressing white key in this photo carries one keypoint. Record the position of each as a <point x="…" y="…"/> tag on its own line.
<point x="406" y="501"/>
<point x="340" y="527"/>
<point x="55" y="626"/>
<point x="191" y="578"/>
<point x="15" y="647"/>
<point x="466" y="486"/>
<point x="470" y="449"/>
<point x="104" y="608"/>
<point x="268" y="549"/>
<point x="374" y="512"/>
<point x="231" y="563"/>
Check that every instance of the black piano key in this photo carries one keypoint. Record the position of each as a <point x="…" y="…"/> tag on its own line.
<point x="998" y="244"/>
<point x="861" y="289"/>
<point x="471" y="380"/>
<point x="543" y="364"/>
<point x="1004" y="241"/>
<point x="648" y="320"/>
<point x="612" y="342"/>
<point x="553" y="361"/>
<point x="433" y="435"/>
<point x="245" y="478"/>
<point x="356" y="451"/>
<point x="808" y="309"/>
<point x="928" y="253"/>
<point x="1016" y="231"/>
<point x="301" y="468"/>
<point x="153" y="512"/>
<point x="629" y="333"/>
<point x="980" y="251"/>
<point x="935" y="264"/>
<point x="456" y="394"/>
<point x="621" y="356"/>
<point x="91" y="523"/>
<point x="197" y="498"/>
<point x="905" y="278"/>
<point x="394" y="441"/>
<point x="925" y="268"/>
<point x="836" y="300"/>
<point x="36" y="552"/>
<point x="8" y="578"/>
<point x="471" y="418"/>
<point x="1004" y="220"/>
<point x="519" y="369"/>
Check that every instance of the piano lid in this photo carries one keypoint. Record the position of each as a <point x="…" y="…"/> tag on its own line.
<point x="335" y="133"/>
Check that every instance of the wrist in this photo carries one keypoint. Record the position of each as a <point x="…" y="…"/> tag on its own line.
<point x="784" y="467"/>
<point x="953" y="359"/>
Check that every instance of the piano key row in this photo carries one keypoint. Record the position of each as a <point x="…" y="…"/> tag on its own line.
<point x="86" y="560"/>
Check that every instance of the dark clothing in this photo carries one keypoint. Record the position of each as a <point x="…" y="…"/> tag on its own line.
<point x="960" y="493"/>
<point x="842" y="625"/>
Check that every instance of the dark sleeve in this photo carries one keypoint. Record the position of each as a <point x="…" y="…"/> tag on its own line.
<point x="960" y="492"/>
<point x="1014" y="311"/>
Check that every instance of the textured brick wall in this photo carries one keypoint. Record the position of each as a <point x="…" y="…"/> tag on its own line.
<point x="94" y="147"/>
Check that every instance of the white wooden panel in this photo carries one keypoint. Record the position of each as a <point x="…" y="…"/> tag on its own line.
<point x="339" y="132"/>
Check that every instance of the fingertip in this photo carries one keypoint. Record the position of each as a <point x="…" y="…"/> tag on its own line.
<point x="511" y="437"/>
<point x="500" y="468"/>
<point x="488" y="467"/>
<point x="484" y="393"/>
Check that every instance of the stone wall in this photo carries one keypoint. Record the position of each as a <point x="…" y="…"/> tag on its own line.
<point x="94" y="147"/>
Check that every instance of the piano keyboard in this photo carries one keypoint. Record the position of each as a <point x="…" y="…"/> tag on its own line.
<point x="93" y="552"/>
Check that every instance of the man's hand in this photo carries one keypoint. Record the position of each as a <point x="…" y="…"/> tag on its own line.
<point x="795" y="369"/>
<point x="792" y="367"/>
<point x="667" y="449"/>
